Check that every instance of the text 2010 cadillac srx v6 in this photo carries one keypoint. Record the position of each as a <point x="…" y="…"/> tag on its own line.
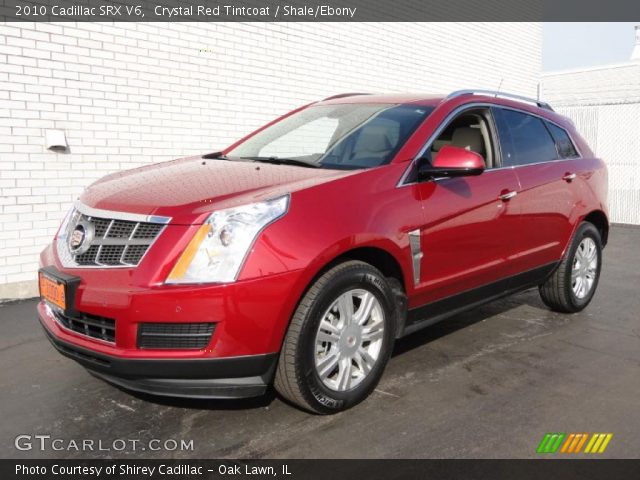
<point x="300" y="253"/>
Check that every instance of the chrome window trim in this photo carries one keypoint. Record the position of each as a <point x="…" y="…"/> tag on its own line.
<point x="467" y="106"/>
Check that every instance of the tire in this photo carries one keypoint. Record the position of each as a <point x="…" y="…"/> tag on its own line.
<point x="305" y="355"/>
<point x="561" y="292"/>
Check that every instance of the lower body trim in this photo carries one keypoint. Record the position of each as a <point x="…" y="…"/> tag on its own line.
<point x="420" y="317"/>
<point x="233" y="377"/>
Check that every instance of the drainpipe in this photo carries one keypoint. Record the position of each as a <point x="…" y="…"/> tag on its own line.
<point x="635" y="55"/>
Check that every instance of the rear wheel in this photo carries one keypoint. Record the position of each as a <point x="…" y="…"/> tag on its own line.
<point x="339" y="340"/>
<point x="573" y="284"/>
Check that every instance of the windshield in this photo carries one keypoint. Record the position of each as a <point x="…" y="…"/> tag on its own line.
<point x="345" y="136"/>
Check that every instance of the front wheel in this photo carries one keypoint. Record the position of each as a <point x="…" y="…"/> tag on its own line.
<point x="339" y="340"/>
<point x="572" y="285"/>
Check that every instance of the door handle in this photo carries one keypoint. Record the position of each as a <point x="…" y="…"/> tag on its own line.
<point x="569" y="176"/>
<point x="508" y="195"/>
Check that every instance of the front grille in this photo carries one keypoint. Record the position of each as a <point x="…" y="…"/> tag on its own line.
<point x="93" y="326"/>
<point x="134" y="253"/>
<point x="147" y="230"/>
<point x="175" y="335"/>
<point x="89" y="257"/>
<point x="113" y="242"/>
<point x="111" y="255"/>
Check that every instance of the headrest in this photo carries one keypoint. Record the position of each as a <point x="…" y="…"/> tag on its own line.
<point x="373" y="138"/>
<point x="469" y="139"/>
<point x="438" y="144"/>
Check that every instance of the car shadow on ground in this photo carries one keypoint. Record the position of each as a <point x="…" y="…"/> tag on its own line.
<point x="467" y="318"/>
<point x="402" y="345"/>
<point x="206" y="404"/>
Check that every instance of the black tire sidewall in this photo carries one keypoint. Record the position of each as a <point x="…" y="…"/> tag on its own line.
<point x="323" y="399"/>
<point x="585" y="230"/>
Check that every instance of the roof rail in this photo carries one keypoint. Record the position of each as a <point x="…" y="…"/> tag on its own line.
<point x="342" y="95"/>
<point x="492" y="93"/>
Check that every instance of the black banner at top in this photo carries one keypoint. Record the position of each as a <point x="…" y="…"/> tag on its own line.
<point x="317" y="10"/>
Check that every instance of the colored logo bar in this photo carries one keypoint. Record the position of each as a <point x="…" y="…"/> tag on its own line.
<point x="574" y="443"/>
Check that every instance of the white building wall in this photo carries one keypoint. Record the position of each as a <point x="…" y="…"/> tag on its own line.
<point x="604" y="103"/>
<point x="129" y="94"/>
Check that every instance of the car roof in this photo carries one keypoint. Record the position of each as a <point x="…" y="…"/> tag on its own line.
<point x="460" y="98"/>
<point x="395" y="98"/>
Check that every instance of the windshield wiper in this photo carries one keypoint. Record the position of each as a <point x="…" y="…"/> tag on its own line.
<point x="222" y="156"/>
<point x="215" y="156"/>
<point x="289" y="161"/>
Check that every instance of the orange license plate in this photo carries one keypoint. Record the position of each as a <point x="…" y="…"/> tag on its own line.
<point x="52" y="290"/>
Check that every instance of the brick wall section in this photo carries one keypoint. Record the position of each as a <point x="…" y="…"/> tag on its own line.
<point x="131" y="94"/>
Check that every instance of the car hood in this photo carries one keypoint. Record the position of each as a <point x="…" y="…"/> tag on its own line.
<point x="188" y="189"/>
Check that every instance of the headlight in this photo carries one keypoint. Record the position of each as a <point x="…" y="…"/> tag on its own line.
<point x="218" y="249"/>
<point x="64" y="226"/>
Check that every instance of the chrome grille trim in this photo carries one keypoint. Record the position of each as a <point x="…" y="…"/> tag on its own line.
<point x="116" y="243"/>
<point x="133" y="217"/>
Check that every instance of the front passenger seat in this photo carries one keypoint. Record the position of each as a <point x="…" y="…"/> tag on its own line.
<point x="470" y="139"/>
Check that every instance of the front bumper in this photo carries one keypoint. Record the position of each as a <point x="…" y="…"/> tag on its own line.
<point x="233" y="377"/>
<point x="250" y="318"/>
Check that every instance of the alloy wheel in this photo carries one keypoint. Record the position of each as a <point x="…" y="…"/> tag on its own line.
<point x="584" y="268"/>
<point x="349" y="340"/>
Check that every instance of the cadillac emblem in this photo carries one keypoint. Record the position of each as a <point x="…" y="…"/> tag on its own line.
<point x="80" y="238"/>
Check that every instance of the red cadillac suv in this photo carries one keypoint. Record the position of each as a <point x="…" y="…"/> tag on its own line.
<point x="300" y="253"/>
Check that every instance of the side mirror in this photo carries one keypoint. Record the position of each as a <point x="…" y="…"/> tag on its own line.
<point x="451" y="162"/>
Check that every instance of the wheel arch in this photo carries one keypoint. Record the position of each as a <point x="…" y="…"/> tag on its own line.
<point x="599" y="219"/>
<point x="390" y="268"/>
<point x="376" y="257"/>
<point x="381" y="254"/>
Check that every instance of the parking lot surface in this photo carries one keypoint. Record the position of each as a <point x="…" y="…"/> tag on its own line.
<point x="488" y="383"/>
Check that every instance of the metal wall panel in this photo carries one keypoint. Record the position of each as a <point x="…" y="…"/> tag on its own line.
<point x="613" y="132"/>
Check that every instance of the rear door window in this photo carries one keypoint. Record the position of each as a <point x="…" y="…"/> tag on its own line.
<point x="565" y="146"/>
<point x="524" y="139"/>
